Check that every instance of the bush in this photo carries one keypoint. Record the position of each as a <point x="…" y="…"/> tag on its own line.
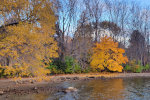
<point x="56" y="66"/>
<point x="147" y="67"/>
<point x="134" y="66"/>
<point x="86" y="70"/>
<point x="139" y="69"/>
<point x="71" y="65"/>
<point x="68" y="66"/>
<point x="127" y="68"/>
<point x="1" y="72"/>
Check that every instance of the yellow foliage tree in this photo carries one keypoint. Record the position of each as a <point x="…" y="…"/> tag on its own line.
<point x="107" y="55"/>
<point x="28" y="39"/>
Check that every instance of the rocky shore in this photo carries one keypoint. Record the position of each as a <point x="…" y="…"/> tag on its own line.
<point x="26" y="86"/>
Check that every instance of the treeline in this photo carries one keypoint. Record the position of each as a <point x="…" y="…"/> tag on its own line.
<point x="39" y="37"/>
<point x="81" y="23"/>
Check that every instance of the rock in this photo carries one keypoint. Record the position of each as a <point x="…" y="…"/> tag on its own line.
<point x="6" y="96"/>
<point x="35" y="88"/>
<point x="1" y="92"/>
<point x="25" y="82"/>
<point x="70" y="89"/>
<point x="63" y="79"/>
<point x="76" y="78"/>
<point x="32" y="81"/>
<point x="85" y="79"/>
<point x="19" y="82"/>
<point x="68" y="78"/>
<point x="91" y="77"/>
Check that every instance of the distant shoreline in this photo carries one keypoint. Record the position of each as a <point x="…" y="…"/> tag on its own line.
<point x="8" y="86"/>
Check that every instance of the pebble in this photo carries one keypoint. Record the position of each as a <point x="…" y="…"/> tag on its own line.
<point x="1" y="92"/>
<point x="35" y="88"/>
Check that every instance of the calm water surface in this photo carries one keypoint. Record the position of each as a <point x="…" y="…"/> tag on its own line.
<point x="109" y="89"/>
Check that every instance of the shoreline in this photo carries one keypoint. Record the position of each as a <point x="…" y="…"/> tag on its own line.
<point x="8" y="86"/>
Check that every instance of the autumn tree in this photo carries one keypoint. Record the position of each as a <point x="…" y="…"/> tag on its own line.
<point x="28" y="37"/>
<point x="107" y="56"/>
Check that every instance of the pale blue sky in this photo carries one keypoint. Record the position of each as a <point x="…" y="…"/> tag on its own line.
<point x="142" y="2"/>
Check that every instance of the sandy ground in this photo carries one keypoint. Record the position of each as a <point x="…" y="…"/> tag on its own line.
<point x="26" y="86"/>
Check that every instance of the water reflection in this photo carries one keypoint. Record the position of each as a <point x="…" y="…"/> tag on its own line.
<point x="109" y="89"/>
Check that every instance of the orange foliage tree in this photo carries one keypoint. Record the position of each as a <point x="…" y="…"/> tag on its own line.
<point x="107" y="55"/>
<point x="28" y="37"/>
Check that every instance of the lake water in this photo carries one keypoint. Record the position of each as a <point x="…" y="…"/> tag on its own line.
<point x="108" y="89"/>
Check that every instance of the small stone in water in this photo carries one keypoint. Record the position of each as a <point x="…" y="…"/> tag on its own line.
<point x="1" y="92"/>
<point x="70" y="89"/>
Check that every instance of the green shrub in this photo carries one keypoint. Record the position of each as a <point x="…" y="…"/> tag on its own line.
<point x="134" y="66"/>
<point x="139" y="69"/>
<point x="2" y="73"/>
<point x="147" y="67"/>
<point x="56" y="66"/>
<point x="71" y="65"/>
<point x="86" y="70"/>
<point x="68" y="66"/>
<point x="127" y="68"/>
